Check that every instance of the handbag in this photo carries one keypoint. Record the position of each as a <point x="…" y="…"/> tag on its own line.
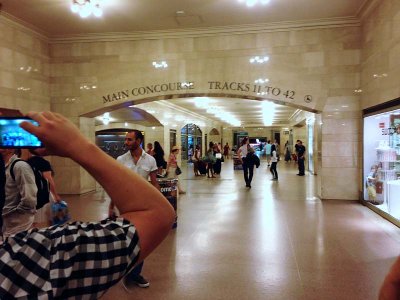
<point x="178" y="171"/>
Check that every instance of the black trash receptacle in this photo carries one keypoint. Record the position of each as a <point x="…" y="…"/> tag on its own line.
<point x="169" y="188"/>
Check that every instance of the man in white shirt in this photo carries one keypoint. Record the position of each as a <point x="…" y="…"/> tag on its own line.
<point x="145" y="165"/>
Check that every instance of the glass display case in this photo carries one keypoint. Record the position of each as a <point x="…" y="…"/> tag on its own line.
<point x="382" y="162"/>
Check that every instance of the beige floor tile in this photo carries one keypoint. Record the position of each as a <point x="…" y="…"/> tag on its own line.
<point x="274" y="241"/>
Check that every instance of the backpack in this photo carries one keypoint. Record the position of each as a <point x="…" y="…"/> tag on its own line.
<point x="42" y="184"/>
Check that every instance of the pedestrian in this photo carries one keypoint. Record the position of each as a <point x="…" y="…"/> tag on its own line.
<point x="274" y="163"/>
<point x="150" y="150"/>
<point x="210" y="159"/>
<point x="159" y="157"/>
<point x="82" y="260"/>
<point x="288" y="155"/>
<point x="242" y="153"/>
<point x="226" y="151"/>
<point x="43" y="215"/>
<point x="251" y="161"/>
<point x="173" y="170"/>
<point x="196" y="162"/>
<point x="218" y="159"/>
<point x="300" y="157"/>
<point x="268" y="152"/>
<point x="20" y="194"/>
<point x="143" y="164"/>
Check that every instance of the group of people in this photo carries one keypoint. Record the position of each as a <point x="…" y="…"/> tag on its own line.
<point x="61" y="258"/>
<point x="211" y="163"/>
<point x="249" y="159"/>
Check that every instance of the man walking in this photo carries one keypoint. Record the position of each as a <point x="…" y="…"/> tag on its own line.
<point x="20" y="194"/>
<point x="144" y="165"/>
<point x="268" y="152"/>
<point x="300" y="157"/>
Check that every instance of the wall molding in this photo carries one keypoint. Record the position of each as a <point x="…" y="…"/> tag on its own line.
<point x="23" y="26"/>
<point x="210" y="31"/>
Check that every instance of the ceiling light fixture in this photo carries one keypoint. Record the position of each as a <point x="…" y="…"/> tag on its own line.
<point x="261" y="80"/>
<point x="85" y="8"/>
<point x="106" y="118"/>
<point x="259" y="59"/>
<point x="251" y="3"/>
<point x="162" y="64"/>
<point x="268" y="110"/>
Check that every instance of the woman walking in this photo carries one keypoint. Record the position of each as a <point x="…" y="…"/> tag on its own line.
<point x="242" y="153"/>
<point x="172" y="167"/>
<point x="274" y="162"/>
<point x="196" y="161"/>
<point x="158" y="154"/>
<point x="210" y="160"/>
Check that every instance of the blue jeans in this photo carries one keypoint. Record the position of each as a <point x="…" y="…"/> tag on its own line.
<point x="136" y="271"/>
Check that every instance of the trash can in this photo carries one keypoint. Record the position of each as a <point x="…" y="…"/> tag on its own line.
<point x="169" y="188"/>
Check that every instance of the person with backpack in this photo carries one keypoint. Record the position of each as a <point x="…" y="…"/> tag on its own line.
<point x="20" y="194"/>
<point x="39" y="164"/>
<point x="251" y="161"/>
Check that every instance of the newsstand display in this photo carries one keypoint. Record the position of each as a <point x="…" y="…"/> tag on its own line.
<point x="169" y="188"/>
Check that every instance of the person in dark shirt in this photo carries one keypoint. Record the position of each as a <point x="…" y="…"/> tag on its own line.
<point x="2" y="188"/>
<point x="251" y="161"/>
<point x="300" y="157"/>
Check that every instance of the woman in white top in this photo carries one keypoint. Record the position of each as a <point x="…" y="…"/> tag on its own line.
<point x="242" y="153"/>
<point x="274" y="162"/>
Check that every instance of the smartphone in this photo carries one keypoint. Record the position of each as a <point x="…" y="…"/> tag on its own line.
<point x="13" y="136"/>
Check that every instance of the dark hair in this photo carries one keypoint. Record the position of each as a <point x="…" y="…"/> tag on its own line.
<point x="273" y="148"/>
<point x="158" y="149"/>
<point x="210" y="144"/>
<point x="244" y="141"/>
<point x="138" y="134"/>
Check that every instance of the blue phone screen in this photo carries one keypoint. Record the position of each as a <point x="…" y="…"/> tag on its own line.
<point x="13" y="136"/>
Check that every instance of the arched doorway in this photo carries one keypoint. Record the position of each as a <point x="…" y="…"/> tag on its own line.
<point x="191" y="136"/>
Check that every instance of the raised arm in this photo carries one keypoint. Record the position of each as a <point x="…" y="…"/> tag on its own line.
<point x="138" y="201"/>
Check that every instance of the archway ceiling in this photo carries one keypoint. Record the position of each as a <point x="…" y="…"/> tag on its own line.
<point x="54" y="18"/>
<point x="249" y="112"/>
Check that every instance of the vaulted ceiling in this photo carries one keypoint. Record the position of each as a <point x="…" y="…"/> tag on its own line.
<point x="54" y="19"/>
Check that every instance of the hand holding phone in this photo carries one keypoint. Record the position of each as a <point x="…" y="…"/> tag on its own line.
<point x="13" y="136"/>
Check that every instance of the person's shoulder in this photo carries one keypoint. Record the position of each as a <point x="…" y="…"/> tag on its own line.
<point x="123" y="156"/>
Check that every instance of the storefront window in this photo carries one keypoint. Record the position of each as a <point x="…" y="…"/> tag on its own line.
<point x="382" y="161"/>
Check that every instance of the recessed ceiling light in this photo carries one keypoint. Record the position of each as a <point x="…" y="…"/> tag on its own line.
<point x="259" y="59"/>
<point x="162" y="64"/>
<point x="180" y="12"/>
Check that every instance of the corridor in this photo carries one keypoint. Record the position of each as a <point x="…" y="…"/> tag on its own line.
<point x="275" y="241"/>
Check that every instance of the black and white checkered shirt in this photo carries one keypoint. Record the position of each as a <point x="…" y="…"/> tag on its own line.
<point x="74" y="261"/>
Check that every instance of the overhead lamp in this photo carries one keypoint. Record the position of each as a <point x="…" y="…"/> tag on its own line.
<point x="259" y="59"/>
<point x="261" y="80"/>
<point x="251" y="3"/>
<point x="85" y="8"/>
<point x="106" y="118"/>
<point x="162" y="64"/>
<point x="268" y="110"/>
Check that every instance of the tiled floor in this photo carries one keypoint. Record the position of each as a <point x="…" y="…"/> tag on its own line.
<point x="275" y="241"/>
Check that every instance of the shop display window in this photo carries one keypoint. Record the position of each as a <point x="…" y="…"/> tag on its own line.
<point x="382" y="161"/>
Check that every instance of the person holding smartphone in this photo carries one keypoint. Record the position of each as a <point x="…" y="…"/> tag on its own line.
<point x="81" y="260"/>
